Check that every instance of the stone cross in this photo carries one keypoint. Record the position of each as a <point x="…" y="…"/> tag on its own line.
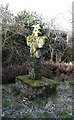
<point x="35" y="42"/>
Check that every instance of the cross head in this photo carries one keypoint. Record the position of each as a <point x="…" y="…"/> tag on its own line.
<point x="36" y="40"/>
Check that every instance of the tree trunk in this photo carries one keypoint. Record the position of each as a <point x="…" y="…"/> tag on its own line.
<point x="58" y="57"/>
<point x="51" y="55"/>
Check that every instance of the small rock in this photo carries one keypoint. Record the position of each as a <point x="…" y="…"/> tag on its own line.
<point x="21" y="113"/>
<point x="24" y="100"/>
<point x="3" y="115"/>
<point x="70" y="113"/>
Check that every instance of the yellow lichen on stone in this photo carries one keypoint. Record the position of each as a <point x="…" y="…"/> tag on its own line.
<point x="47" y="83"/>
<point x="36" y="41"/>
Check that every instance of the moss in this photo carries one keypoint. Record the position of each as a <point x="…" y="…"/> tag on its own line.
<point x="48" y="83"/>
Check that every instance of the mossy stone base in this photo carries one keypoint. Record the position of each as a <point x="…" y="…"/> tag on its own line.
<point x="32" y="88"/>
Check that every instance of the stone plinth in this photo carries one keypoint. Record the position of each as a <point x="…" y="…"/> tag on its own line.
<point x="32" y="88"/>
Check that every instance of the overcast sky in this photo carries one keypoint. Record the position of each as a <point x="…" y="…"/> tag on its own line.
<point x="48" y="8"/>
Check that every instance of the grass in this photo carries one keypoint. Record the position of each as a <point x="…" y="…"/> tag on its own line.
<point x="7" y="96"/>
<point x="7" y="116"/>
<point x="55" y="97"/>
<point x="27" y="115"/>
<point x="6" y="104"/>
<point x="65" y="90"/>
<point x="39" y="101"/>
<point x="6" y="85"/>
<point x="47" y="114"/>
<point x="69" y="102"/>
<point x="19" y="107"/>
<point x="16" y="93"/>
<point x="64" y="83"/>
<point x="3" y="96"/>
<point x="3" y="89"/>
<point x="71" y="84"/>
<point x="64" y="114"/>
<point x="13" y="87"/>
<point x="56" y="79"/>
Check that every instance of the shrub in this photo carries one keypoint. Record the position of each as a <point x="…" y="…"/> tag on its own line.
<point x="49" y="70"/>
<point x="9" y="73"/>
<point x="52" y="70"/>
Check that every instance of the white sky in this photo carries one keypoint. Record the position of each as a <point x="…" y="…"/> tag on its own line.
<point x="48" y="8"/>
